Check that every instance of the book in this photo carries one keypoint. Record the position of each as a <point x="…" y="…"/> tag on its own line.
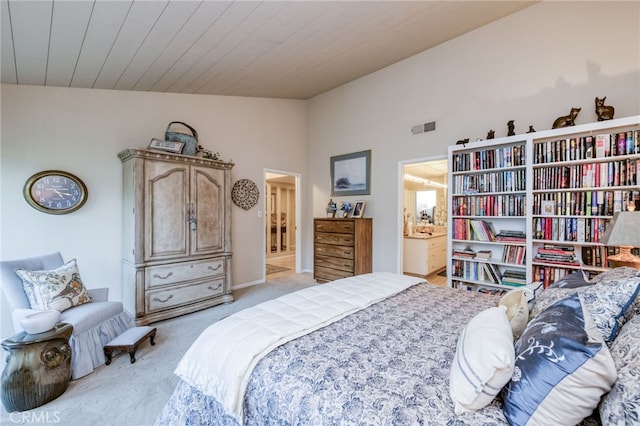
<point x="602" y="144"/>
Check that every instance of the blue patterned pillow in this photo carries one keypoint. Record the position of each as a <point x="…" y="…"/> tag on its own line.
<point x="573" y="280"/>
<point x="607" y="301"/>
<point x="621" y="406"/>
<point x="562" y="368"/>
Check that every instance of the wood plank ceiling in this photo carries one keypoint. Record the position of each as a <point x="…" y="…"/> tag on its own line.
<point x="278" y="49"/>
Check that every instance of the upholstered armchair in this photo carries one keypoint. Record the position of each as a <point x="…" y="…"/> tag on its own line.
<point x="94" y="323"/>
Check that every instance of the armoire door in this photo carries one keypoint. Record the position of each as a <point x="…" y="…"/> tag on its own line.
<point x="206" y="213"/>
<point x="166" y="210"/>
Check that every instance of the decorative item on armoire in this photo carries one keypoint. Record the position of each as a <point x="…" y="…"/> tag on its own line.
<point x="245" y="193"/>
<point x="190" y="141"/>
<point x="511" y="128"/>
<point x="567" y="120"/>
<point x="604" y="112"/>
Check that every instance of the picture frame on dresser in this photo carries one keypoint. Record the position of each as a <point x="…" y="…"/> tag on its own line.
<point x="351" y="174"/>
<point x="358" y="209"/>
<point x="168" y="146"/>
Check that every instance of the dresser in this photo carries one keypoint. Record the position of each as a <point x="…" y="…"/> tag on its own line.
<point x="341" y="248"/>
<point x="176" y="233"/>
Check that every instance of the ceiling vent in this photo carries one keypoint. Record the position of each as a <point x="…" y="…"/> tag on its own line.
<point x="423" y="128"/>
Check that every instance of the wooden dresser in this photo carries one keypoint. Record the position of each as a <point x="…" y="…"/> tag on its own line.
<point x="341" y="248"/>
<point x="177" y="234"/>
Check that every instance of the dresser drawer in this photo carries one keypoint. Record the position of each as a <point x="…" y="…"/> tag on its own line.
<point x="183" y="294"/>
<point x="179" y="272"/>
<point x="339" y="239"/>
<point x="327" y="274"/>
<point x="335" y="263"/>
<point x="345" y="252"/>
<point x="339" y="226"/>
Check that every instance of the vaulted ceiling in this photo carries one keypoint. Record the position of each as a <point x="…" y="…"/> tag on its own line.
<point x="277" y="49"/>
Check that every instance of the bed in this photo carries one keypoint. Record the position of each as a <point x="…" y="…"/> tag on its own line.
<point x="388" y="358"/>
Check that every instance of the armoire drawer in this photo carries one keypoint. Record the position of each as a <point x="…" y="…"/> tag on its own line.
<point x="179" y="272"/>
<point x="327" y="274"/>
<point x="183" y="294"/>
<point x="335" y="263"/>
<point x="345" y="227"/>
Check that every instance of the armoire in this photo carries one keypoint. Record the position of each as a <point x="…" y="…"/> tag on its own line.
<point x="176" y="233"/>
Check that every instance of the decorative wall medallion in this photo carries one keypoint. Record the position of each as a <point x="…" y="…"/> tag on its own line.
<point x="245" y="194"/>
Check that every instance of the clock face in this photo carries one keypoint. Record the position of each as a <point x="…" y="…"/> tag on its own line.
<point x="55" y="192"/>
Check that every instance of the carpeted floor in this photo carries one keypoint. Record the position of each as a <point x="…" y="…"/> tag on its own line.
<point x="126" y="394"/>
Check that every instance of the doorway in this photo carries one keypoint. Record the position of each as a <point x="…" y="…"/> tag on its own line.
<point x="423" y="215"/>
<point x="281" y="223"/>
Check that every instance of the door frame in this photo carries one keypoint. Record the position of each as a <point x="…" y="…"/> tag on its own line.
<point x="297" y="185"/>
<point x="400" y="217"/>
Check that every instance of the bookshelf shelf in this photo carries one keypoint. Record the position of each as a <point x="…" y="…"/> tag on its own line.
<point x="557" y="188"/>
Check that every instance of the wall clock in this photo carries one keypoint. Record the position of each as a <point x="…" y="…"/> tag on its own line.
<point x="55" y="192"/>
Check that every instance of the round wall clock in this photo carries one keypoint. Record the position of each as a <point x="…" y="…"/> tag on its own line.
<point x="55" y="192"/>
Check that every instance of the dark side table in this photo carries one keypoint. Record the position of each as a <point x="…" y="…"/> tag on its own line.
<point x="38" y="368"/>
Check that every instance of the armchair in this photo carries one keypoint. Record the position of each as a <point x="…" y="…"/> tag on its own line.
<point x="94" y="324"/>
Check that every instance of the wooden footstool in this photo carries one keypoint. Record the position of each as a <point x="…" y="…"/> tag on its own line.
<point x="129" y="341"/>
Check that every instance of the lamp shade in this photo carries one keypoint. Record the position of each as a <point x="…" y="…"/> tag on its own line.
<point x="623" y="230"/>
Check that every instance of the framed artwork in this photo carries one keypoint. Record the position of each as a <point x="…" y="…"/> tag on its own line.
<point x="170" y="146"/>
<point x="358" y="209"/>
<point x="351" y="174"/>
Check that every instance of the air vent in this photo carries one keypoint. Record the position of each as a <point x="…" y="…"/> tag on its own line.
<point x="422" y="128"/>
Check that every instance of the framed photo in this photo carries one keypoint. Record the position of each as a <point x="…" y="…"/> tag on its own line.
<point x="351" y="174"/>
<point x="162" y="145"/>
<point x="548" y="207"/>
<point x="358" y="209"/>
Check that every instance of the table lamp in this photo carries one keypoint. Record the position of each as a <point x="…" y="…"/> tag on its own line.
<point x="623" y="231"/>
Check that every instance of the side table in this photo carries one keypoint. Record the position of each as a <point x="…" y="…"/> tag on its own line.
<point x="38" y="368"/>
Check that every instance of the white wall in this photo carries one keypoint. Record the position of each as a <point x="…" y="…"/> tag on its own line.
<point x="82" y="131"/>
<point x="531" y="67"/>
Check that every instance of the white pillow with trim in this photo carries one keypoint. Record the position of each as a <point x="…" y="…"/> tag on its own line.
<point x="483" y="362"/>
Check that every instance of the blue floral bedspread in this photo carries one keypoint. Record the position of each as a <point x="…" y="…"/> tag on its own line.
<point x="385" y="365"/>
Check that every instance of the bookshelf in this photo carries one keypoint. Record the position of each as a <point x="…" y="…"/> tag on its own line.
<point x="532" y="207"/>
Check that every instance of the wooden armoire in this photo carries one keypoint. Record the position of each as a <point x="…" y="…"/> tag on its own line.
<point x="176" y="232"/>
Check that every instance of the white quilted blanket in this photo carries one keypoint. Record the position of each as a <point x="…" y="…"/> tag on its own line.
<point x="220" y="361"/>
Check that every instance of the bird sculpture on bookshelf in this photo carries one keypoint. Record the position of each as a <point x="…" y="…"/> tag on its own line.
<point x="531" y="130"/>
<point x="567" y="120"/>
<point x="491" y="134"/>
<point x="511" y="128"/>
<point x="463" y="142"/>
<point x="604" y="112"/>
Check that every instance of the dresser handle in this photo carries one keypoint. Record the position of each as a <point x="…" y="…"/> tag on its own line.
<point x="161" y="277"/>
<point x="155" y="299"/>
<point x="214" y="289"/>
<point x="216" y="268"/>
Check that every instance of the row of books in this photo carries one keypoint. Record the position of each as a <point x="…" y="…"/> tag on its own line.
<point x="547" y="275"/>
<point x="585" y="203"/>
<point x="613" y="173"/>
<point x="476" y="271"/>
<point x="503" y="181"/>
<point x="582" y="148"/>
<point x="473" y="229"/>
<point x="574" y="229"/>
<point x="563" y="255"/>
<point x="514" y="254"/>
<point x="597" y="255"/>
<point x="489" y="205"/>
<point x="509" y="156"/>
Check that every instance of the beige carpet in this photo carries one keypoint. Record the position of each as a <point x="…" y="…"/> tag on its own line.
<point x="126" y="394"/>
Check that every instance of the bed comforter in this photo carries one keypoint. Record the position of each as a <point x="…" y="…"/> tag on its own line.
<point x="386" y="364"/>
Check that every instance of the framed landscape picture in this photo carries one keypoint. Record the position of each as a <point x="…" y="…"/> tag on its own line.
<point x="351" y="174"/>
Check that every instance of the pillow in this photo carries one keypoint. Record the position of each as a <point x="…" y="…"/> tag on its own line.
<point x="517" y="310"/>
<point x="621" y="406"/>
<point x="563" y="367"/>
<point x="57" y="289"/>
<point x="607" y="302"/>
<point x="573" y="280"/>
<point x="618" y="273"/>
<point x="483" y="362"/>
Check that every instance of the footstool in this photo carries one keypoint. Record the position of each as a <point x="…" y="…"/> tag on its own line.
<point x="129" y="341"/>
